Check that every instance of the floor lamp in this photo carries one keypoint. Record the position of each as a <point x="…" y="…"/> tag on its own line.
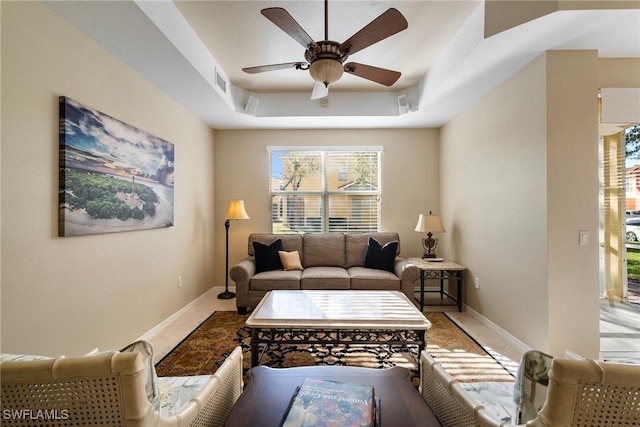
<point x="236" y="211"/>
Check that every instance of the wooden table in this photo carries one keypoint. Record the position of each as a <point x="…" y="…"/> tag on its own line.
<point x="282" y="311"/>
<point x="266" y="397"/>
<point x="440" y="270"/>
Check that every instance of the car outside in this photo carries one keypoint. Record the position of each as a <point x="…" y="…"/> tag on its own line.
<point x="633" y="229"/>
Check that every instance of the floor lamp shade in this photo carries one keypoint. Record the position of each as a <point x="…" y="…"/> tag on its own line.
<point x="236" y="211"/>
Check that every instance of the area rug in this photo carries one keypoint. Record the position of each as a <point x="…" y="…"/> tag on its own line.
<point x="204" y="350"/>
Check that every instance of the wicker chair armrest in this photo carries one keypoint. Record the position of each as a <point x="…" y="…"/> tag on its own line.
<point x="27" y="384"/>
<point x="450" y="401"/>
<point x="216" y="399"/>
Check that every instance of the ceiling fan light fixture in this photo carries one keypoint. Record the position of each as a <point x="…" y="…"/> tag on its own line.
<point x="326" y="70"/>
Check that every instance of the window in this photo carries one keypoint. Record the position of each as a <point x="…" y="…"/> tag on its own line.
<point x="332" y="190"/>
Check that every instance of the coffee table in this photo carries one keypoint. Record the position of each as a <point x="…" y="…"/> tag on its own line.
<point x="268" y="393"/>
<point x="335" y="311"/>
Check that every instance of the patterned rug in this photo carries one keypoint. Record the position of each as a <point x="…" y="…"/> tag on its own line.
<point x="204" y="350"/>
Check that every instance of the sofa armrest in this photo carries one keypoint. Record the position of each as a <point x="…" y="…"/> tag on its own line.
<point x="406" y="271"/>
<point x="241" y="274"/>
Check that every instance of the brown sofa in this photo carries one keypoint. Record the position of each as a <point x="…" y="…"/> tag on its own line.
<point x="329" y="261"/>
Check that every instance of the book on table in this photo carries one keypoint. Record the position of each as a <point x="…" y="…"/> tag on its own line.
<point x="326" y="403"/>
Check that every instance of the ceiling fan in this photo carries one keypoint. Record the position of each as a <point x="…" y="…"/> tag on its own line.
<point x="325" y="59"/>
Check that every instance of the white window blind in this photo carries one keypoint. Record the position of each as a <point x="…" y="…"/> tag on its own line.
<point x="315" y="191"/>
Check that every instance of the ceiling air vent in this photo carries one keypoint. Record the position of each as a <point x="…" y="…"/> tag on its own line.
<point x="221" y="82"/>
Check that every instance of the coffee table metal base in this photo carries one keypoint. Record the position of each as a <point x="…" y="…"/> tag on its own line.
<point x="338" y="312"/>
<point x="267" y="337"/>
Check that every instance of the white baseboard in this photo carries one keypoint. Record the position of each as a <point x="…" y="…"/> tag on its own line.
<point x="504" y="335"/>
<point x="160" y="326"/>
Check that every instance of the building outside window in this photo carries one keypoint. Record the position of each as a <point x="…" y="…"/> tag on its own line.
<point x="325" y="190"/>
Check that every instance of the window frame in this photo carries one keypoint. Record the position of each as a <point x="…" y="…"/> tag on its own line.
<point x="324" y="193"/>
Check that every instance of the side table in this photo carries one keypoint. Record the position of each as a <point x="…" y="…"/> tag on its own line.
<point x="441" y="271"/>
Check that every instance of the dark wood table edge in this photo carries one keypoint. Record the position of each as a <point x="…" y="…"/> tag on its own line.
<point x="269" y="390"/>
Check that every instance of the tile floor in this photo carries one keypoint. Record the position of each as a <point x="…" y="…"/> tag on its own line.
<point x="619" y="330"/>
<point x="165" y="340"/>
<point x="620" y="325"/>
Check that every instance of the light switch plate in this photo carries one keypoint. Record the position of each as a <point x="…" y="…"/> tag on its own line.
<point x="584" y="238"/>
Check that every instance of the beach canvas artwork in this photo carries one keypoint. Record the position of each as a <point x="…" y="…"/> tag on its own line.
<point x="113" y="176"/>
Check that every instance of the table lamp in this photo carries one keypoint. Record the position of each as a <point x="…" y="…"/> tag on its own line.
<point x="429" y="224"/>
<point x="236" y="211"/>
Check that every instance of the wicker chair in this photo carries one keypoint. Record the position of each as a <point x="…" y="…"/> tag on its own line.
<point x="107" y="389"/>
<point x="581" y="393"/>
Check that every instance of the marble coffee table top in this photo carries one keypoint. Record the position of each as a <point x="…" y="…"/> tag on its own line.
<point x="338" y="309"/>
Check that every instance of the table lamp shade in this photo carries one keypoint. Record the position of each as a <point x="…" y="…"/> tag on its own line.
<point x="430" y="223"/>
<point x="236" y="210"/>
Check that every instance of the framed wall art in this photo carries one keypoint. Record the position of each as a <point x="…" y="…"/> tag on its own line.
<point x="113" y="176"/>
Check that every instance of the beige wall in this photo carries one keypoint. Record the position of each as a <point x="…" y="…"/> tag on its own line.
<point x="493" y="177"/>
<point x="409" y="179"/>
<point x="68" y="295"/>
<point x="528" y="185"/>
<point x="572" y="195"/>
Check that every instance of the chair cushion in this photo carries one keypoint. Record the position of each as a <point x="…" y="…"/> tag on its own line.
<point x="530" y="388"/>
<point x="496" y="397"/>
<point x="267" y="257"/>
<point x="381" y="257"/>
<point x="5" y="357"/>
<point x="151" y="382"/>
<point x="176" y="392"/>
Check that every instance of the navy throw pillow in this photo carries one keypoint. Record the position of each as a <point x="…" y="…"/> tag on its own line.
<point x="267" y="257"/>
<point x="381" y="257"/>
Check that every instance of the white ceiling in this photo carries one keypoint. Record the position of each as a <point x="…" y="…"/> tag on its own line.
<point x="187" y="47"/>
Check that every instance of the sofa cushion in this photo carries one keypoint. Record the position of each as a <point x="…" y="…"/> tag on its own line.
<point x="290" y="242"/>
<point x="276" y="279"/>
<point x="267" y="257"/>
<point x="323" y="250"/>
<point x="373" y="279"/>
<point x="356" y="245"/>
<point x="290" y="260"/>
<point x="379" y="256"/>
<point x="325" y="278"/>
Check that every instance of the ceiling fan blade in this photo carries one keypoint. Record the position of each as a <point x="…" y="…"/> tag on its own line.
<point x="282" y="19"/>
<point x="375" y="74"/>
<point x="320" y="90"/>
<point x="273" y="67"/>
<point x="385" y="25"/>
